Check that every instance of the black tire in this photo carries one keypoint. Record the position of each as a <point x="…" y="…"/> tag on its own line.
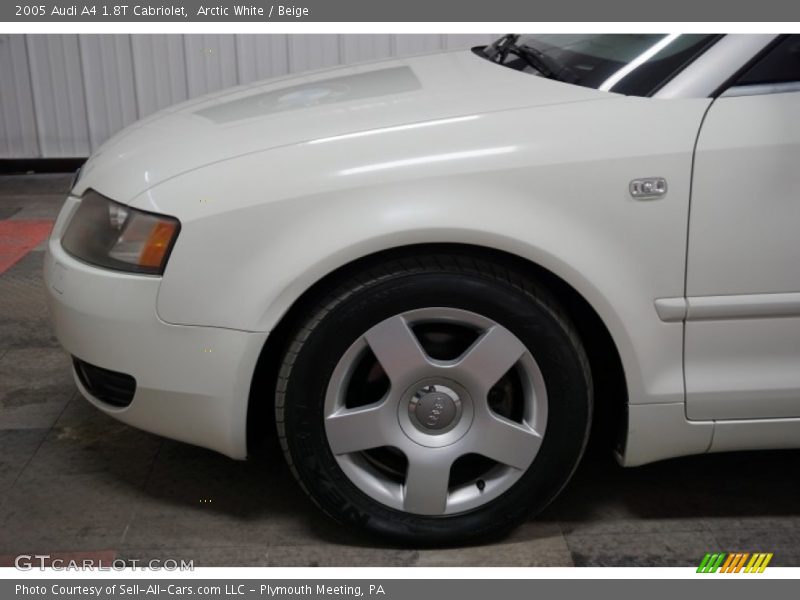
<point x="457" y="280"/>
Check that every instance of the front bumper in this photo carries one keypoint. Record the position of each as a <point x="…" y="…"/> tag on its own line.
<point x="192" y="383"/>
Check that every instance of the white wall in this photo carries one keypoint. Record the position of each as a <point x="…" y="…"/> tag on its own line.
<point x="63" y="95"/>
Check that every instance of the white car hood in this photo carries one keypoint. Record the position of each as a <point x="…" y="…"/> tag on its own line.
<point x="275" y="113"/>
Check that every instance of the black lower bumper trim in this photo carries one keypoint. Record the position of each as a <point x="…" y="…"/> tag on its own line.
<point x="111" y="387"/>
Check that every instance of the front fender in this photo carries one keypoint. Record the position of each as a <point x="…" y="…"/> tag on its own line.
<point x="260" y="230"/>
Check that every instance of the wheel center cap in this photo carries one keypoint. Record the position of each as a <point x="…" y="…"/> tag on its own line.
<point x="435" y="409"/>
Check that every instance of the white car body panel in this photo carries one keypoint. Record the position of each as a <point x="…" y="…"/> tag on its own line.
<point x="283" y="112"/>
<point x="743" y="278"/>
<point x="192" y="382"/>
<point x="553" y="224"/>
<point x="278" y="184"/>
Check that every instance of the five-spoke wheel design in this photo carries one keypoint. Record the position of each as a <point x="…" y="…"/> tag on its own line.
<point x="434" y="398"/>
<point x="436" y="411"/>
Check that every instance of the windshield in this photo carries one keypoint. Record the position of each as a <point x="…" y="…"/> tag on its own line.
<point x="631" y="64"/>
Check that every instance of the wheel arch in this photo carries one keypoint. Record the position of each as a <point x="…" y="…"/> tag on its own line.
<point x="610" y="383"/>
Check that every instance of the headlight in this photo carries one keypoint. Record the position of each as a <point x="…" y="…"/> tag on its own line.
<point x="111" y="235"/>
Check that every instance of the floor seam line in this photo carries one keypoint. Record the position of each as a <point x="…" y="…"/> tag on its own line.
<point x="147" y="478"/>
<point x="35" y="452"/>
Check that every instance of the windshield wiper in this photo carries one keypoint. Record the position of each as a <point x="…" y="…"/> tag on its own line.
<point x="546" y="65"/>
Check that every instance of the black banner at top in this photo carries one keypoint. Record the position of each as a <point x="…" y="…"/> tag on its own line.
<point x="405" y="11"/>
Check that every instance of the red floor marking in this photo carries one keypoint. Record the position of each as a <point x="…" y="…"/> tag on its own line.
<point x="17" y="238"/>
<point x="96" y="558"/>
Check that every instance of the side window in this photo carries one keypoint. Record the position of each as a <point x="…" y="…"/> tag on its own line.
<point x="780" y="65"/>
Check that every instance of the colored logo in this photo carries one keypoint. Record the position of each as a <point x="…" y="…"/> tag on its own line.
<point x="734" y="562"/>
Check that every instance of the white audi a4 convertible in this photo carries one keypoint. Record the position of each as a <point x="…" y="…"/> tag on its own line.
<point x="430" y="277"/>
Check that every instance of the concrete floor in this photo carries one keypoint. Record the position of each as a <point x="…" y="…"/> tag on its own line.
<point x="73" y="480"/>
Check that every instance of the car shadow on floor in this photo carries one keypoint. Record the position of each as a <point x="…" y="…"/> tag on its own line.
<point x="696" y="493"/>
<point x="154" y="494"/>
<point x="713" y="486"/>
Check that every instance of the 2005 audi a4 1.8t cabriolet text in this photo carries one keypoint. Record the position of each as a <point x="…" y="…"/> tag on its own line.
<point x="429" y="277"/>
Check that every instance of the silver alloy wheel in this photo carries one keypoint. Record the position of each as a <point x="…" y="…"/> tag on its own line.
<point x="436" y="412"/>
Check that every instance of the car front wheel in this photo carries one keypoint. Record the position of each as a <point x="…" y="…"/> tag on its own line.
<point x="433" y="400"/>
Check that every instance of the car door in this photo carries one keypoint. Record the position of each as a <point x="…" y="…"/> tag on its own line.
<point x="742" y="345"/>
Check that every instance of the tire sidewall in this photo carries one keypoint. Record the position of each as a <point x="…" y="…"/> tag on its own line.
<point x="535" y="321"/>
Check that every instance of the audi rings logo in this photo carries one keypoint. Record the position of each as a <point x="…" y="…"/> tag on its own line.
<point x="435" y="413"/>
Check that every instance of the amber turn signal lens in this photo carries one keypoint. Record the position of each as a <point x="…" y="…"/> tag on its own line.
<point x="157" y="244"/>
